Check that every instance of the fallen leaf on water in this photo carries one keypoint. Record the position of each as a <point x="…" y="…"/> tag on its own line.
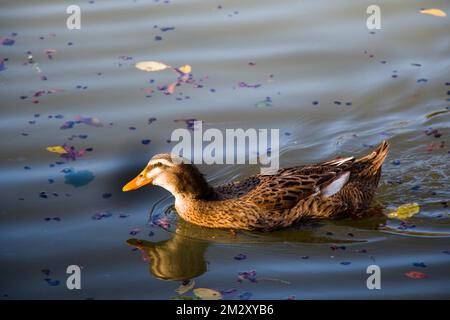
<point x="434" y="12"/>
<point x="416" y="275"/>
<point x="183" y="288"/>
<point x="89" y="121"/>
<point x="182" y="298"/>
<point x="185" y="69"/>
<point x="56" y="149"/>
<point x="433" y="114"/>
<point x="207" y="294"/>
<point x="171" y="88"/>
<point x="405" y="211"/>
<point x="151" y="66"/>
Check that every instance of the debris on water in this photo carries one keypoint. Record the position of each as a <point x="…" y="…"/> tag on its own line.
<point x="434" y="12"/>
<point x="243" y="84"/>
<point x="264" y="103"/>
<point x="189" y="122"/>
<point x="245" y="295"/>
<point x="135" y="231"/>
<point x="145" y="141"/>
<point x="106" y="195"/>
<point x="247" y="275"/>
<point x="336" y="247"/>
<point x="51" y="282"/>
<point x="101" y="215"/>
<point x="78" y="178"/>
<point x="54" y="219"/>
<point x="46" y="272"/>
<point x="71" y="153"/>
<point x="7" y="41"/>
<point x="57" y="149"/>
<point x="419" y="264"/>
<point x="185" y="287"/>
<point x="161" y="222"/>
<point x="416" y="275"/>
<point x="165" y="29"/>
<point x="182" y="298"/>
<point x="123" y="215"/>
<point x="240" y="256"/>
<point x="345" y="263"/>
<point x="207" y="294"/>
<point x="50" y="53"/>
<point x="151" y="66"/>
<point x="151" y="120"/>
<point x="436" y="113"/>
<point x="228" y="291"/>
<point x="405" y="211"/>
<point x="92" y="121"/>
<point x="396" y="162"/>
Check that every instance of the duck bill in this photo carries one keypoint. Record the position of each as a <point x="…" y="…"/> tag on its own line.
<point x="140" y="181"/>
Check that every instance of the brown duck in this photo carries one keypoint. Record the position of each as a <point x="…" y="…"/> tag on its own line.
<point x="341" y="187"/>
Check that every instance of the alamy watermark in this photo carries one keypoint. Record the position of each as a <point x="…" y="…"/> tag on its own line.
<point x="237" y="146"/>
<point x="374" y="20"/>
<point x="74" y="280"/>
<point x="374" y="280"/>
<point x="73" y="22"/>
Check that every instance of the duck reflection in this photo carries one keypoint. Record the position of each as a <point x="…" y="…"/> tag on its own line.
<point x="178" y="258"/>
<point x="182" y="257"/>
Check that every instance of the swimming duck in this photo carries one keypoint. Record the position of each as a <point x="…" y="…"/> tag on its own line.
<point x="342" y="187"/>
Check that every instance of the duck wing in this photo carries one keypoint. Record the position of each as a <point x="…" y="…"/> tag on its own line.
<point x="289" y="186"/>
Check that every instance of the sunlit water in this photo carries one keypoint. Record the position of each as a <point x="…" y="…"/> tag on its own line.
<point x="335" y="89"/>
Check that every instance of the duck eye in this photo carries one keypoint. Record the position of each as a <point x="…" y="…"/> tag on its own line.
<point x="157" y="165"/>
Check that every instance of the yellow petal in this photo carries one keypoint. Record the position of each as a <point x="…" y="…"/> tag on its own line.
<point x="405" y="211"/>
<point x="434" y="12"/>
<point x="185" y="69"/>
<point x="57" y="149"/>
<point x="207" y="294"/>
<point x="151" y="66"/>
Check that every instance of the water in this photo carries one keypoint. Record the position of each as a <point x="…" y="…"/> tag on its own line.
<point x="300" y="52"/>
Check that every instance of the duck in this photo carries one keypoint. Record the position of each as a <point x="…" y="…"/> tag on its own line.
<point x="338" y="188"/>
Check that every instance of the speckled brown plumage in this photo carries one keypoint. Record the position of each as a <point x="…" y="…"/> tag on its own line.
<point x="275" y="201"/>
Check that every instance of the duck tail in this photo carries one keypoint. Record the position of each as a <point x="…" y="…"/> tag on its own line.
<point x="372" y="162"/>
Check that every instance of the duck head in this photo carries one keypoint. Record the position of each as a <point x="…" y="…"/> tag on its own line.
<point x="173" y="173"/>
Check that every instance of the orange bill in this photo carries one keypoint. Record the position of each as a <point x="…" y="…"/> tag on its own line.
<point x="140" y="181"/>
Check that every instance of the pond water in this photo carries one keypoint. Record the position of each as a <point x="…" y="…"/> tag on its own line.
<point x="331" y="86"/>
